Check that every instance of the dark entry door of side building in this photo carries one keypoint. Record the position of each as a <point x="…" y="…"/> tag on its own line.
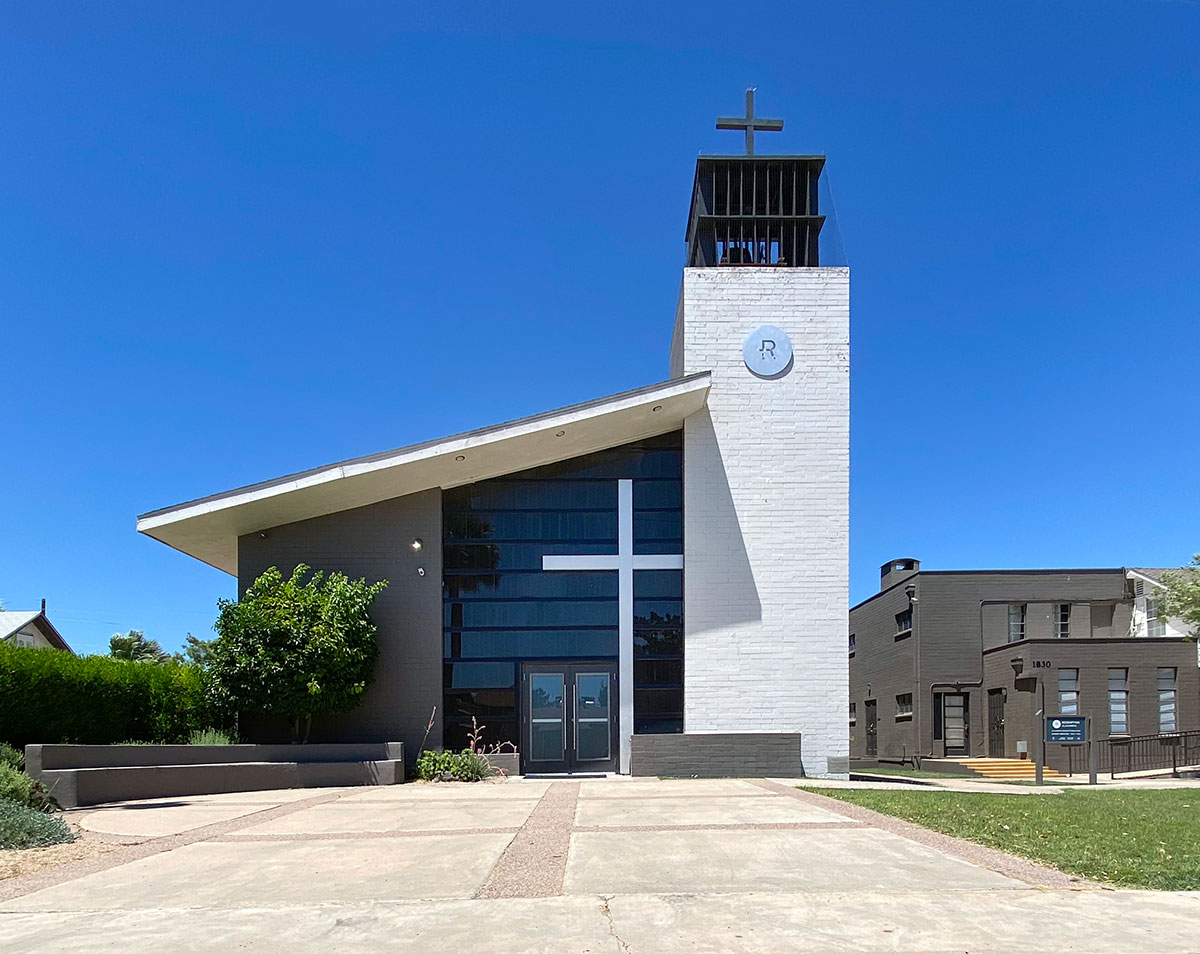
<point x="996" y="723"/>
<point x="569" y="717"/>
<point x="872" y="723"/>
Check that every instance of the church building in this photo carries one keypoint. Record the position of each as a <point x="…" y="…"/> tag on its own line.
<point x="652" y="582"/>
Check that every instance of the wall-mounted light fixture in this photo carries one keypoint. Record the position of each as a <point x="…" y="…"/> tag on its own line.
<point x="460" y="457"/>
<point x="656" y="408"/>
<point x="910" y="590"/>
<point x="262" y="534"/>
<point x="560" y="434"/>
<point x="417" y="544"/>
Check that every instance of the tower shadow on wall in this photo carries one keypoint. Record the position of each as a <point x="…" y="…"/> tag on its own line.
<point x="733" y="598"/>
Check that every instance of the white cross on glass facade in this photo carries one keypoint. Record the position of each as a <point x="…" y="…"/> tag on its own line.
<point x="624" y="561"/>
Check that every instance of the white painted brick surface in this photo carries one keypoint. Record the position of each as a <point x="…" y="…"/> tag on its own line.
<point x="766" y="508"/>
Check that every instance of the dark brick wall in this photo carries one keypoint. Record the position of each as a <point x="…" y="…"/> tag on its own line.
<point x="374" y="542"/>
<point x="720" y="754"/>
<point x="961" y="632"/>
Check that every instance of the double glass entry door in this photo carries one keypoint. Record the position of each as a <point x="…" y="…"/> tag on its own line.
<point x="569" y="717"/>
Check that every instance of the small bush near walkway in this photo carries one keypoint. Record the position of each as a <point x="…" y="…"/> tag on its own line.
<point x="464" y="766"/>
<point x="23" y="827"/>
<point x="50" y="696"/>
<point x="1134" y="838"/>
<point x="11" y="756"/>
<point x="16" y="786"/>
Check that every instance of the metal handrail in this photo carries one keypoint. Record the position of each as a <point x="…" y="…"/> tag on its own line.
<point x="1144" y="753"/>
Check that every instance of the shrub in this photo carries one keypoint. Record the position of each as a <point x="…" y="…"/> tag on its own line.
<point x="464" y="766"/>
<point x="49" y="696"/>
<point x="210" y="737"/>
<point x="25" y="790"/>
<point x="22" y="827"/>
<point x="294" y="647"/>
<point x="11" y="756"/>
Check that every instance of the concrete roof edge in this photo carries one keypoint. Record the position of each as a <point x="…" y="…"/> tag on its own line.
<point x="697" y="381"/>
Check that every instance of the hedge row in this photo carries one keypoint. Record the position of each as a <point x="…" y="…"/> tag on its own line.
<point x="50" y="696"/>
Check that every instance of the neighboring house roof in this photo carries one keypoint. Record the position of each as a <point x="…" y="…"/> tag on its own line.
<point x="1152" y="574"/>
<point x="12" y="621"/>
<point x="208" y="528"/>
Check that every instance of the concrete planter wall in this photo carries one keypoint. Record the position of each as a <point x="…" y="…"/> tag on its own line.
<point x="92" y="774"/>
<point x="508" y="763"/>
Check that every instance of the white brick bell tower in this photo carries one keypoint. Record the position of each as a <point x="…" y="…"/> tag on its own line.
<point x="766" y="463"/>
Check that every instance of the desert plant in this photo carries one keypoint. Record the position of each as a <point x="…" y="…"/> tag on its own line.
<point x="12" y="756"/>
<point x="210" y="737"/>
<point x="25" y="790"/>
<point x="24" y="827"/>
<point x="295" y="647"/>
<point x="464" y="766"/>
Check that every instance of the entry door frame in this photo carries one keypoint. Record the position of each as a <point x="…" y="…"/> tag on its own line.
<point x="871" y="728"/>
<point x="996" y="703"/>
<point x="571" y="671"/>
<point x="965" y="748"/>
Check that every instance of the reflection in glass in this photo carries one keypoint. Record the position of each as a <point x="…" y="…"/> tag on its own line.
<point x="547" y="717"/>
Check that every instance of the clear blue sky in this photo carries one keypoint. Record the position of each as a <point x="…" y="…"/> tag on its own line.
<point x="241" y="239"/>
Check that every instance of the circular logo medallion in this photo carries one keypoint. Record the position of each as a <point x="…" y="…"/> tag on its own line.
<point x="768" y="352"/>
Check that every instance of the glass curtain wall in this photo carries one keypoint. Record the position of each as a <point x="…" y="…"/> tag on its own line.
<point x="500" y="607"/>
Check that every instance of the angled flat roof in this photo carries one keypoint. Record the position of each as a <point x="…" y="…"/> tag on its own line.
<point x="208" y="528"/>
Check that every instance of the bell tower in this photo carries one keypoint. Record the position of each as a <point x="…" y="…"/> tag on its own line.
<point x="766" y="462"/>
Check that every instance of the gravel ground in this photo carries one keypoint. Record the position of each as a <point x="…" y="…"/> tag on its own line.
<point x="23" y="861"/>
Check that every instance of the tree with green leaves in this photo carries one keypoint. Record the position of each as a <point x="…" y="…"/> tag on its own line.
<point x="294" y="647"/>
<point x="1181" y="599"/>
<point x="135" y="647"/>
<point x="195" y="651"/>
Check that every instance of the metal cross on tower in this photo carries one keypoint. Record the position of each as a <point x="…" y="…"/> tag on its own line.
<point x="750" y="122"/>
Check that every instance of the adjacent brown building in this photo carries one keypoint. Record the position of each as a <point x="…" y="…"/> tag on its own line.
<point x="934" y="656"/>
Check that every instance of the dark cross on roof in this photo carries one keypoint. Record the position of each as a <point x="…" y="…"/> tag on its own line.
<point x="750" y="122"/>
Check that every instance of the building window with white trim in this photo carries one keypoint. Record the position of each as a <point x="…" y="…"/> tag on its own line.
<point x="1155" y="624"/>
<point x="904" y="709"/>
<point x="1068" y="691"/>
<point x="853" y="713"/>
<point x="1016" y="622"/>
<point x="1166" y="699"/>
<point x="904" y="623"/>
<point x="1062" y="620"/>
<point x="851" y="644"/>
<point x="1118" y="702"/>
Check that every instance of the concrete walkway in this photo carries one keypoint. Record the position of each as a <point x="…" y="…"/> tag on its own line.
<point x="615" y="865"/>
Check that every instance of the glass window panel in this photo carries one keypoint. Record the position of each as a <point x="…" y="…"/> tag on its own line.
<point x="658" y="546"/>
<point x="592" y="695"/>
<point x="655" y="702"/>
<point x="657" y="725"/>
<point x="530" y="585"/>
<point x="592" y="740"/>
<point x="479" y="675"/>
<point x="479" y="613"/>
<point x="648" y="613"/>
<point x="482" y="702"/>
<point x="546" y="696"/>
<point x="546" y="741"/>
<point x="661" y="672"/>
<point x="494" y="731"/>
<point x="657" y="525"/>
<point x="658" y="494"/>
<point x="658" y="641"/>
<point x="532" y="644"/>
<point x="657" y="584"/>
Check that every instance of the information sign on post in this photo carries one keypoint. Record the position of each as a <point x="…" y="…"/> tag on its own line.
<point x="1067" y="730"/>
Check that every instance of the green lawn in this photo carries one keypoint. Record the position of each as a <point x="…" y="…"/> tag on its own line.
<point x="1137" y="839"/>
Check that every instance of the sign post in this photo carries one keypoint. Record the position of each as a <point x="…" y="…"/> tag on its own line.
<point x="1093" y="754"/>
